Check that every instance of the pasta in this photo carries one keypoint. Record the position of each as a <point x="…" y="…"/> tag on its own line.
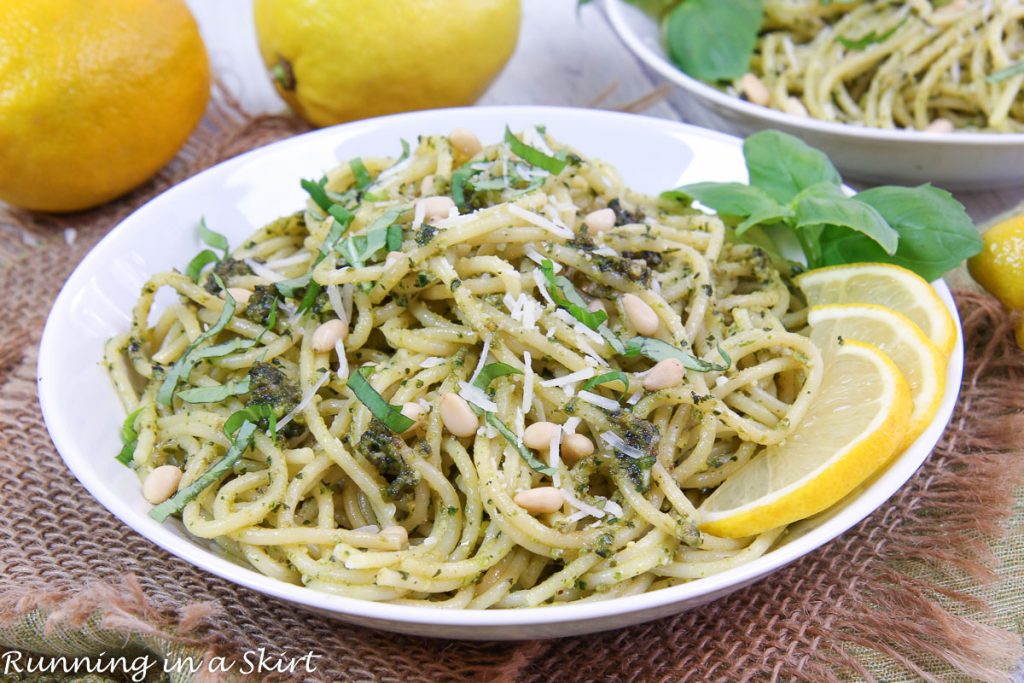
<point x="917" y="64"/>
<point x="520" y="298"/>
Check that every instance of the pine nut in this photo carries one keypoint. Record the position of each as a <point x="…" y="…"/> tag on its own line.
<point x="161" y="484"/>
<point x="755" y="90"/>
<point x="600" y="220"/>
<point x="795" y="107"/>
<point x="457" y="416"/>
<point x="596" y="305"/>
<point x="436" y="208"/>
<point x="415" y="412"/>
<point x="539" y="500"/>
<point x="328" y="334"/>
<point x="396" y="535"/>
<point x="465" y="142"/>
<point x="240" y="295"/>
<point x="575" y="447"/>
<point x="666" y="373"/>
<point x="538" y="435"/>
<point x="641" y="316"/>
<point x="940" y="127"/>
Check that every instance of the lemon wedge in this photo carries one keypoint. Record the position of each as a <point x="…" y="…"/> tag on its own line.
<point x="857" y="422"/>
<point x="920" y="361"/>
<point x="881" y="283"/>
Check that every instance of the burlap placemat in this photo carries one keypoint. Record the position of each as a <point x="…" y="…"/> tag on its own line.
<point x="912" y="592"/>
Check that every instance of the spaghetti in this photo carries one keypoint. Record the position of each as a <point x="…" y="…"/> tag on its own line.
<point x="300" y="384"/>
<point x="884" y="64"/>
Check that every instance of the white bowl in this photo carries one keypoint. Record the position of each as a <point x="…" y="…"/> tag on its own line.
<point x="955" y="161"/>
<point x="84" y="416"/>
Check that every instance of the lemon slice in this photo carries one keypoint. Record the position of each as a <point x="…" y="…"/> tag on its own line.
<point x="915" y="355"/>
<point x="881" y="283"/>
<point x="857" y="422"/>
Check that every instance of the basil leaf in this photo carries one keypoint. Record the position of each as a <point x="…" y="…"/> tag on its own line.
<point x="405" y="151"/>
<point x="288" y="287"/>
<point x="253" y="413"/>
<point x="615" y="376"/>
<point x="182" y="367"/>
<point x="129" y="437"/>
<point x="783" y="165"/>
<point x="213" y="238"/>
<point x="533" y="156"/>
<point x="657" y="350"/>
<point x="360" y="174"/>
<point x="194" y="269"/>
<point x="525" y="453"/>
<point x="394" y="238"/>
<point x="493" y="371"/>
<point x="870" y="39"/>
<point x="734" y="199"/>
<point x="609" y="336"/>
<point x="714" y="40"/>
<point x="317" y="192"/>
<point x="824" y="204"/>
<point x="215" y="394"/>
<point x="1008" y="72"/>
<point x="460" y="179"/>
<point x="183" y="497"/>
<point x="390" y="415"/>
<point x="936" y="234"/>
<point x="565" y="295"/>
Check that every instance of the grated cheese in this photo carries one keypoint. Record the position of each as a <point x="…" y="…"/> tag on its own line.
<point x="263" y="271"/>
<point x="599" y="401"/>
<point x="304" y="402"/>
<point x="477" y="397"/>
<point x="538" y="277"/>
<point x="539" y="258"/>
<point x="419" y="212"/>
<point x="620" y="445"/>
<point x="613" y="508"/>
<point x="339" y="348"/>
<point x="539" y="221"/>
<point x="334" y="296"/>
<point x="527" y="382"/>
<point x="579" y="375"/>
<point x="433" y="361"/>
<point x="570" y="425"/>
<point x="483" y="359"/>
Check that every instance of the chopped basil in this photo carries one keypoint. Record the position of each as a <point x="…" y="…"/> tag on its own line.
<point x="394" y="238"/>
<point x="359" y="172"/>
<point x="1008" y="72"/>
<point x="317" y="192"/>
<point x="182" y="367"/>
<point x="657" y="350"/>
<point x="493" y="371"/>
<point x="460" y="179"/>
<point x="871" y="38"/>
<point x="615" y="376"/>
<point x="254" y="413"/>
<point x="194" y="269"/>
<point x="390" y="415"/>
<point x="534" y="157"/>
<point x="565" y="295"/>
<point x="215" y="394"/>
<point x="524" y="452"/>
<point x="129" y="437"/>
<point x="288" y="287"/>
<point x="177" y="503"/>
<point x="213" y="238"/>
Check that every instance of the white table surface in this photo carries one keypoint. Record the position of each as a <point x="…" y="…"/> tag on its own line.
<point x="563" y="58"/>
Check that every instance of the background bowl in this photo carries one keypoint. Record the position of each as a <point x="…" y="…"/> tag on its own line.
<point x="84" y="416"/>
<point x="954" y="161"/>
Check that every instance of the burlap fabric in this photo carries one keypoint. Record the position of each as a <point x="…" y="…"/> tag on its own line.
<point x="912" y="592"/>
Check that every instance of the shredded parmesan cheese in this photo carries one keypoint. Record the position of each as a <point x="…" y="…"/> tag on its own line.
<point x="599" y="401"/>
<point x="579" y="375"/>
<point x="263" y="271"/>
<point x="304" y="402"/>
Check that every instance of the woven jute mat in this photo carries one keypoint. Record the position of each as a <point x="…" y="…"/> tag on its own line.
<point x="915" y="591"/>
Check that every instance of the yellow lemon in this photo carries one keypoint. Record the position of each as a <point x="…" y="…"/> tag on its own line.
<point x="94" y="97"/>
<point x="920" y="361"/>
<point x="999" y="267"/>
<point x="856" y="424"/>
<point x="902" y="290"/>
<point x="340" y="60"/>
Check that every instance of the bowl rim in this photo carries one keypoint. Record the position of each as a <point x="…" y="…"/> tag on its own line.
<point x="613" y="11"/>
<point x="188" y="549"/>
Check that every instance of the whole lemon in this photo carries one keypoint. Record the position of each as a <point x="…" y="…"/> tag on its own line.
<point x="94" y="96"/>
<point x="340" y="60"/>
<point x="999" y="267"/>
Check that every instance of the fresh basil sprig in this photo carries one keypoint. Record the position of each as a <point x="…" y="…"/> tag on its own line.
<point x="713" y="40"/>
<point x="795" y="187"/>
<point x="390" y="415"/>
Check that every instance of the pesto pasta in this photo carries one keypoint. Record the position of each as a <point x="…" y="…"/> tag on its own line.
<point x="473" y="377"/>
<point x="915" y="64"/>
